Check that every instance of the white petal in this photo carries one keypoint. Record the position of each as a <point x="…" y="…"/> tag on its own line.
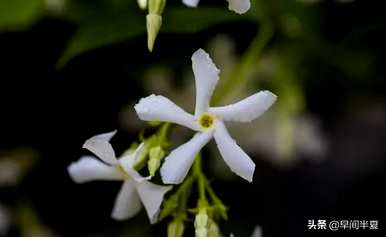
<point x="191" y="3"/>
<point x="257" y="232"/>
<point x="247" y="109"/>
<point x="160" y="108"/>
<point x="237" y="160"/>
<point x="101" y="147"/>
<point x="239" y="6"/>
<point x="127" y="163"/>
<point x="127" y="203"/>
<point x="152" y="196"/>
<point x="88" y="169"/>
<point x="206" y="75"/>
<point x="179" y="161"/>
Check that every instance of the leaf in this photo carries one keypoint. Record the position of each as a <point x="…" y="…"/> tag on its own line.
<point x="101" y="29"/>
<point x="16" y="14"/>
<point x="99" y="32"/>
<point x="190" y="20"/>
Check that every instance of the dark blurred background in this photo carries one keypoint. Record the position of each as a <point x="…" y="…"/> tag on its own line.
<point x="332" y="52"/>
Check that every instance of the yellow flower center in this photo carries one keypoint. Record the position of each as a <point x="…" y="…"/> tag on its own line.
<point x="206" y="120"/>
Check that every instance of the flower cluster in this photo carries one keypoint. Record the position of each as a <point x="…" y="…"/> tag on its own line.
<point x="207" y="122"/>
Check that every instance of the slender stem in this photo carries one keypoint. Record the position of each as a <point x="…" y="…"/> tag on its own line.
<point x="243" y="69"/>
<point x="197" y="169"/>
<point x="164" y="131"/>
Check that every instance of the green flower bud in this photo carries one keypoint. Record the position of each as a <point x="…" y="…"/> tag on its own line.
<point x="141" y="159"/>
<point x="176" y="228"/>
<point x="201" y="223"/>
<point x="142" y="4"/>
<point x="213" y="230"/>
<point x="201" y="232"/>
<point x="156" y="6"/>
<point x="153" y="25"/>
<point x="155" y="156"/>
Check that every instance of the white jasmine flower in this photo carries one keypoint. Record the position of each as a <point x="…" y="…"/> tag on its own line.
<point x="135" y="189"/>
<point x="207" y="121"/>
<point x="238" y="6"/>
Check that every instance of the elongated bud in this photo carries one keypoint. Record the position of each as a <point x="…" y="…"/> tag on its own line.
<point x="155" y="156"/>
<point x="141" y="159"/>
<point x="156" y="6"/>
<point x="213" y="230"/>
<point x="176" y="228"/>
<point x="142" y="4"/>
<point x="201" y="223"/>
<point x="153" y="25"/>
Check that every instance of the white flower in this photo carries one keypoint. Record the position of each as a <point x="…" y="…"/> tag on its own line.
<point x="239" y="6"/>
<point x="135" y="189"/>
<point x="207" y="121"/>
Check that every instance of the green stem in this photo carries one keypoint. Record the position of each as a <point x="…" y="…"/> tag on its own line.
<point x="248" y="61"/>
<point x="197" y="171"/>
<point x="164" y="131"/>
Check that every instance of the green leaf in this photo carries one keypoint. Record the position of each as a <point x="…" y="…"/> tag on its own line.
<point x="103" y="28"/>
<point x="191" y="20"/>
<point x="101" y="31"/>
<point x="16" y="14"/>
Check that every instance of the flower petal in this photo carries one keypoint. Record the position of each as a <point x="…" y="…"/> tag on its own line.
<point x="239" y="6"/>
<point x="247" y="109"/>
<point x="206" y="75"/>
<point x="237" y="160"/>
<point x="160" y="108"/>
<point x="127" y="203"/>
<point x="127" y="163"/>
<point x="152" y="196"/>
<point x="88" y="169"/>
<point x="179" y="161"/>
<point x="191" y="3"/>
<point x="101" y="147"/>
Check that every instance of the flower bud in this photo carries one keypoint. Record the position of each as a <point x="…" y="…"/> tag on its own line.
<point x="156" y="6"/>
<point x="155" y="156"/>
<point x="201" y="232"/>
<point x="176" y="228"/>
<point x="153" y="25"/>
<point x="142" y="4"/>
<point x="201" y="223"/>
<point x="213" y="230"/>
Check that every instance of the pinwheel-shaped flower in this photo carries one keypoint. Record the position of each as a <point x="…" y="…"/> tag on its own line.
<point x="239" y="6"/>
<point x="135" y="188"/>
<point x="207" y="121"/>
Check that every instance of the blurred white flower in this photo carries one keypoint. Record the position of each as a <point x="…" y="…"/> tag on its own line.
<point x="282" y="140"/>
<point x="4" y="221"/>
<point x="257" y="232"/>
<point x="238" y="6"/>
<point x="135" y="189"/>
<point x="55" y="6"/>
<point x="207" y="121"/>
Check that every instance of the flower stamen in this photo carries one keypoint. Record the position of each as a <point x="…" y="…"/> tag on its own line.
<point x="206" y="120"/>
